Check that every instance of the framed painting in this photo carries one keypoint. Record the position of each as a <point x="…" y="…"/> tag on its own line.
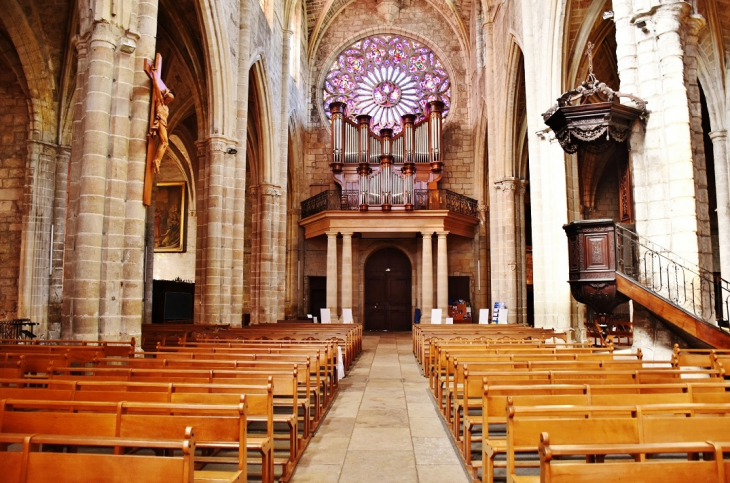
<point x="170" y="217"/>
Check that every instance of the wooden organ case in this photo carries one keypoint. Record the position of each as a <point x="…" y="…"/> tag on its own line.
<point x="386" y="172"/>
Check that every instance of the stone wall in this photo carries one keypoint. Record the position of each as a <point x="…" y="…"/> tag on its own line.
<point x="13" y="155"/>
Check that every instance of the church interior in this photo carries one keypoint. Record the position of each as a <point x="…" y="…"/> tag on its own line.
<point x="394" y="200"/>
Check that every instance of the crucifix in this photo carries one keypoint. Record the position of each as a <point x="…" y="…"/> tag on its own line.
<point x="159" y="111"/>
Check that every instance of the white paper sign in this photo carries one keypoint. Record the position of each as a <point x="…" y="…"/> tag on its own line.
<point x="502" y="316"/>
<point x="435" y="316"/>
<point x="340" y="364"/>
<point x="483" y="316"/>
<point x="309" y="316"/>
<point x="325" y="315"/>
<point x="347" y="316"/>
<point x="449" y="320"/>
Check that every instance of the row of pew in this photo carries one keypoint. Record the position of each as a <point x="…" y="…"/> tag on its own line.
<point x="232" y="408"/>
<point x="535" y="410"/>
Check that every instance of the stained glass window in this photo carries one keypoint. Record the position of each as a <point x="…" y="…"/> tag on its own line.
<point x="386" y="77"/>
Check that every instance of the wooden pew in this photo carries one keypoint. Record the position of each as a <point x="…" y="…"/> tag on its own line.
<point x="218" y="427"/>
<point x="495" y="400"/>
<point x="287" y="388"/>
<point x="604" y="425"/>
<point x="467" y="383"/>
<point x="154" y="334"/>
<point x="422" y="335"/>
<point x="698" y="357"/>
<point x="455" y="384"/>
<point x="322" y="361"/>
<point x="448" y="356"/>
<point x="285" y="395"/>
<point x="108" y="348"/>
<point x="648" y="463"/>
<point x="111" y="460"/>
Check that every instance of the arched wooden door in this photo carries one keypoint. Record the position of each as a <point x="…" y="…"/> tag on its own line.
<point x="388" y="291"/>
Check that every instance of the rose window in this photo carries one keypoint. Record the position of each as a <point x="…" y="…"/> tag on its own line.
<point x="387" y="77"/>
<point x="386" y="94"/>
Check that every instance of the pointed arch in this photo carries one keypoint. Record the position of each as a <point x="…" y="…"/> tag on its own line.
<point x="515" y="77"/>
<point x="261" y="119"/>
<point x="37" y="80"/>
<point x="219" y="69"/>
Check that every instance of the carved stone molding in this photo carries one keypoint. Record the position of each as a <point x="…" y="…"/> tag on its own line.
<point x="270" y="190"/>
<point x="718" y="136"/>
<point x="389" y="10"/>
<point x="511" y="184"/>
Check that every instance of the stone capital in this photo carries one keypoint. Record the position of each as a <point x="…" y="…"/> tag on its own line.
<point x="718" y="136"/>
<point x="510" y="184"/>
<point x="200" y="149"/>
<point x="270" y="190"/>
<point x="346" y="234"/>
<point x="41" y="147"/>
<point x="219" y="144"/>
<point x="102" y="34"/>
<point x="442" y="234"/>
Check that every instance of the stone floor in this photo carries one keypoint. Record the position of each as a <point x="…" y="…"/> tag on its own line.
<point x="383" y="425"/>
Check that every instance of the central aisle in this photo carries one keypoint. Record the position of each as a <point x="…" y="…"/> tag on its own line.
<point x="383" y="425"/>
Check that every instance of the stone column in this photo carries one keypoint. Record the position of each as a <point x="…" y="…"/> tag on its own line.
<point x="331" y="273"/>
<point x="104" y="238"/>
<point x="442" y="274"/>
<point x="239" y="192"/>
<point x="427" y="279"/>
<point x="213" y="261"/>
<point x="347" y="270"/>
<point x="722" y="187"/>
<point x="667" y="150"/>
<point x="201" y="240"/>
<point x="85" y="273"/>
<point x="292" y="270"/>
<point x="59" y="230"/>
<point x="37" y="204"/>
<point x="509" y="257"/>
<point x="266" y="280"/>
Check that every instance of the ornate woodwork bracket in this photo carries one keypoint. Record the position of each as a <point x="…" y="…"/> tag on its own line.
<point x="576" y="122"/>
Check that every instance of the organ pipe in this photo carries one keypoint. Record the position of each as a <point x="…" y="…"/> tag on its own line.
<point x="408" y="138"/>
<point x="386" y="162"/>
<point x="435" y="110"/>
<point x="363" y="126"/>
<point x="363" y="171"/>
<point x="338" y="132"/>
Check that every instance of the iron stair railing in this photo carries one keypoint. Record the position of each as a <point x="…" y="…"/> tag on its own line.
<point x="676" y="280"/>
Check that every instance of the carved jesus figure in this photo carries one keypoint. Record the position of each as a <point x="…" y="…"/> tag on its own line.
<point x="161" y="97"/>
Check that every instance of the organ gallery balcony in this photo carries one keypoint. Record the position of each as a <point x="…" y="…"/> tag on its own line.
<point x="388" y="183"/>
<point x="433" y="211"/>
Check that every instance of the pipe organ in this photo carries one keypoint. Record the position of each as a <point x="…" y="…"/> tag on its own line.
<point x="386" y="170"/>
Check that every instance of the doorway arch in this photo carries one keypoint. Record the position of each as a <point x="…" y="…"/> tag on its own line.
<point x="388" y="291"/>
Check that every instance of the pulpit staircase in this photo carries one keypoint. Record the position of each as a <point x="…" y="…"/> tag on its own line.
<point x="610" y="264"/>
